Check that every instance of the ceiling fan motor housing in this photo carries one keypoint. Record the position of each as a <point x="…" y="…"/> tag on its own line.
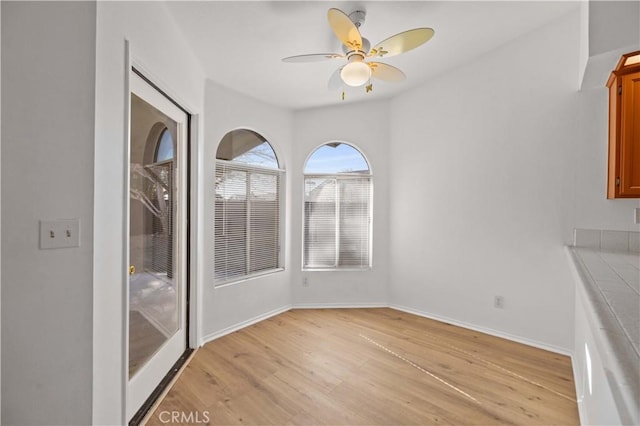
<point x="366" y="46"/>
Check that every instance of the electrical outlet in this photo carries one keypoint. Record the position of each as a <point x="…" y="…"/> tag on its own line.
<point x="59" y="233"/>
<point x="498" y="302"/>
<point x="636" y="215"/>
<point x="305" y="282"/>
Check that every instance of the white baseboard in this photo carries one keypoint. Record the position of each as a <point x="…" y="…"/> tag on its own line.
<point x="339" y="305"/>
<point x="485" y="330"/>
<point x="227" y="330"/>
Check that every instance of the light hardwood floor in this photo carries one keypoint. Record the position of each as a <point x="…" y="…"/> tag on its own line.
<point x="370" y="367"/>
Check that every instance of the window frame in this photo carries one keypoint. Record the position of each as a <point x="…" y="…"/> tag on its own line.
<point x="338" y="176"/>
<point x="281" y="176"/>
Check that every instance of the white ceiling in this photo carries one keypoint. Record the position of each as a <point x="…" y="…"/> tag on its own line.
<point x="241" y="43"/>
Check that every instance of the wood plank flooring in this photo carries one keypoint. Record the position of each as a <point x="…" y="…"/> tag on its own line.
<point x="369" y="367"/>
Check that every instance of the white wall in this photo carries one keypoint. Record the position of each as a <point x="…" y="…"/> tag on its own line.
<point x="48" y="77"/>
<point x="364" y="125"/>
<point x="613" y="24"/>
<point x="158" y="48"/>
<point x="584" y="38"/>
<point x="481" y="189"/>
<point x="229" y="306"/>
<point x="0" y="217"/>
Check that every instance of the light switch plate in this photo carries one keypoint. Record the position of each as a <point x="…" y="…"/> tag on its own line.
<point x="59" y="233"/>
<point x="636" y="215"/>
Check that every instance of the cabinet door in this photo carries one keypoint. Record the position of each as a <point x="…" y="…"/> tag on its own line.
<point x="630" y="136"/>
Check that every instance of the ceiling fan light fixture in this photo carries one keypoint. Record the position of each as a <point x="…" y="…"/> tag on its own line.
<point x="357" y="51"/>
<point x="356" y="73"/>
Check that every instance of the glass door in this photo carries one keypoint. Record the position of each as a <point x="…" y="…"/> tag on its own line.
<point x="157" y="240"/>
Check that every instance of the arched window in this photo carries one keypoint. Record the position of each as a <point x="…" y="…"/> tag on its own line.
<point x="247" y="207"/>
<point x="337" y="209"/>
<point x="164" y="148"/>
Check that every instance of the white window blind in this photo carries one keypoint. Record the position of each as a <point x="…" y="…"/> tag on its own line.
<point x="159" y="184"/>
<point x="337" y="221"/>
<point x="247" y="220"/>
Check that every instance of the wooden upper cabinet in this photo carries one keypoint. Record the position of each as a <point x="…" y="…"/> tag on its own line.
<point x="624" y="128"/>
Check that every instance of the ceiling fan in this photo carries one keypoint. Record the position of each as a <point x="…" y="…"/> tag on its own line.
<point x="358" y="52"/>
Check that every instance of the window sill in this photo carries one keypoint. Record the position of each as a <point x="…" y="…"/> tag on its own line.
<point x="311" y="269"/>
<point x="232" y="281"/>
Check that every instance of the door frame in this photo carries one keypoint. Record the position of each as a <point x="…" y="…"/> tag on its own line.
<point x="133" y="67"/>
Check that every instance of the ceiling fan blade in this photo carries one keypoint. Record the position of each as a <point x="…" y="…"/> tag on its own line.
<point x="335" y="81"/>
<point x="402" y="42"/>
<point x="344" y="29"/>
<point x="386" y="72"/>
<point x="315" y="57"/>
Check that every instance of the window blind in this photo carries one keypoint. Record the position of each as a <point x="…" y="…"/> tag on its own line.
<point x="337" y="218"/>
<point x="158" y="190"/>
<point x="247" y="220"/>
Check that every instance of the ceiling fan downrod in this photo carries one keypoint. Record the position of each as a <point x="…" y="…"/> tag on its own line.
<point x="358" y="17"/>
